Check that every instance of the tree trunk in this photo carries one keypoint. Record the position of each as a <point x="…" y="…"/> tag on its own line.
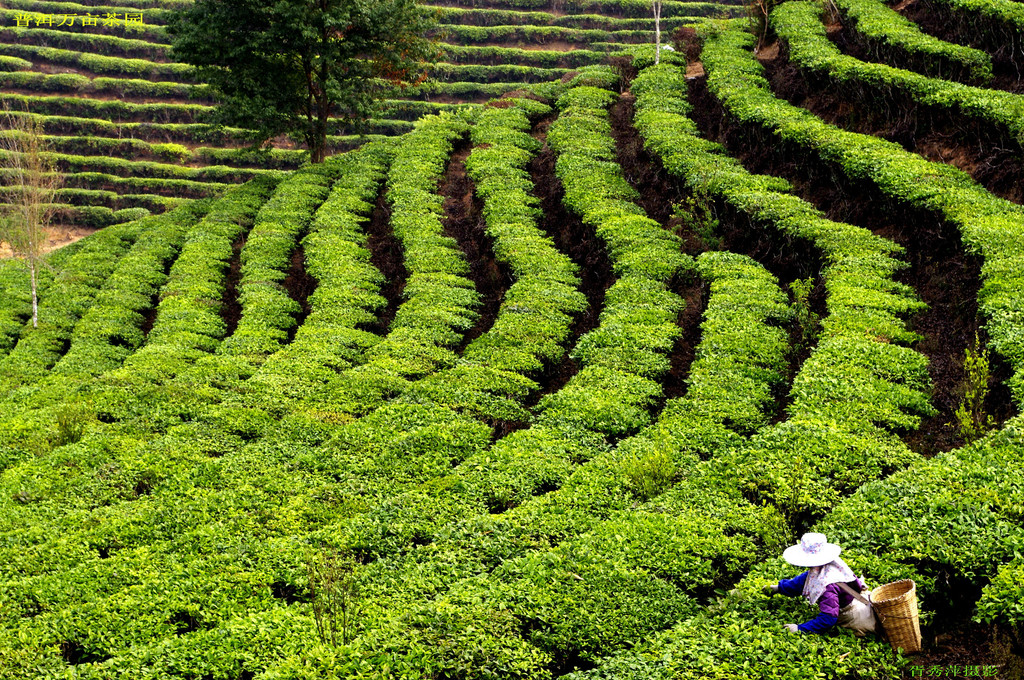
<point x="35" y="296"/>
<point x="316" y="147"/>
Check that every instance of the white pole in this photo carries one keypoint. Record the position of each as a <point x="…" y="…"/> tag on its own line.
<point x="657" y="30"/>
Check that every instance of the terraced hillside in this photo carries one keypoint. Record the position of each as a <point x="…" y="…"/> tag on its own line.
<point x="126" y="123"/>
<point x="543" y="387"/>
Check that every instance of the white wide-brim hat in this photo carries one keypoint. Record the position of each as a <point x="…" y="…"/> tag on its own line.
<point x="813" y="550"/>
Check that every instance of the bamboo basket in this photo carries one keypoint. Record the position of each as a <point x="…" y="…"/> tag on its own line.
<point x="896" y="606"/>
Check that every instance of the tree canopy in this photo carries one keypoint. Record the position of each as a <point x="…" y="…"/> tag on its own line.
<point x="287" y="66"/>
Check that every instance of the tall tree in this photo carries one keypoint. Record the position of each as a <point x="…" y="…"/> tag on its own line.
<point x="288" y="66"/>
<point x="24" y="220"/>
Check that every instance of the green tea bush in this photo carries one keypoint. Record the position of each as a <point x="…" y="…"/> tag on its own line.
<point x="861" y="382"/>
<point x="188" y="322"/>
<point x="347" y="296"/>
<point x="987" y="224"/>
<point x="891" y="37"/>
<point x="8" y="63"/>
<point x="111" y="329"/>
<point x="797" y="25"/>
<point x="69" y="296"/>
<point x="268" y="312"/>
<point x="439" y="298"/>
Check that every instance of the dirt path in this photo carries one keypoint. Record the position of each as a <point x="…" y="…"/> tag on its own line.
<point x="56" y="237"/>
<point x="464" y="222"/>
<point x="581" y="244"/>
<point x="386" y="255"/>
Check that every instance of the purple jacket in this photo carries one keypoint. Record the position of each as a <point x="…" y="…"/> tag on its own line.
<point x="831" y="601"/>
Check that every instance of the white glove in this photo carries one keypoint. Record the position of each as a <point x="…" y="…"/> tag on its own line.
<point x="791" y="627"/>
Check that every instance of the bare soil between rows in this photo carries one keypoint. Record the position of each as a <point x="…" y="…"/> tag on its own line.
<point x="584" y="248"/>
<point x="464" y="222"/>
<point x="944" y="276"/>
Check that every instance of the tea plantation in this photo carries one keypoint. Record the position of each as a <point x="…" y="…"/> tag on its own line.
<point x="538" y="377"/>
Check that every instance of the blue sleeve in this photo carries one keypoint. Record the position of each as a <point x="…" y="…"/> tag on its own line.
<point x="819" y="624"/>
<point x="828" y="603"/>
<point x="791" y="587"/>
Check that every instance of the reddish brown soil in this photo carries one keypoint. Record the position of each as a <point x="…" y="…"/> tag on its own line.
<point x="231" y="308"/>
<point x="464" y="222"/>
<point x="941" y="272"/>
<point x="658" y="195"/>
<point x="993" y="158"/>
<point x="581" y="244"/>
<point x="963" y="643"/>
<point x="386" y="255"/>
<point x="300" y="285"/>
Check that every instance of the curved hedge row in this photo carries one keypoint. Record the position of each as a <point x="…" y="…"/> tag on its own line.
<point x="478" y="16"/>
<point x="268" y="312"/>
<point x="70" y="295"/>
<point x="15" y="301"/>
<point x="105" y="332"/>
<point x="994" y="25"/>
<point x="347" y="294"/>
<point x="439" y="298"/>
<point x="799" y="27"/>
<point x="122" y="87"/>
<point x="989" y="226"/>
<point x="861" y="381"/>
<point x="103" y="64"/>
<point x="112" y="327"/>
<point x="538" y="308"/>
<point x="890" y="37"/>
<point x="188" y="322"/>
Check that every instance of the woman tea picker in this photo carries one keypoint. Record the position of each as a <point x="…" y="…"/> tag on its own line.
<point x="829" y="584"/>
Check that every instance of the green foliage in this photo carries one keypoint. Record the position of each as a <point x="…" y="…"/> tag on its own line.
<point x="893" y="38"/>
<point x="439" y="298"/>
<point x="16" y="300"/>
<point x="72" y="420"/>
<point x="696" y="214"/>
<point x="188" y="321"/>
<point x="109" y="109"/>
<point x="460" y="54"/>
<point x="994" y="24"/>
<point x="1002" y="600"/>
<point x="70" y="295"/>
<point x="171" y="152"/>
<point x="798" y="26"/>
<point x="807" y="321"/>
<point x="972" y="420"/>
<point x="302" y="64"/>
<point x="268" y="312"/>
<point x="334" y="593"/>
<point x="860" y="378"/>
<point x="347" y="294"/>
<point x="648" y="476"/>
<point x="988" y="225"/>
<point x="8" y="63"/>
<point x="100" y="64"/>
<point x="111" y="328"/>
<point x="123" y="87"/>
